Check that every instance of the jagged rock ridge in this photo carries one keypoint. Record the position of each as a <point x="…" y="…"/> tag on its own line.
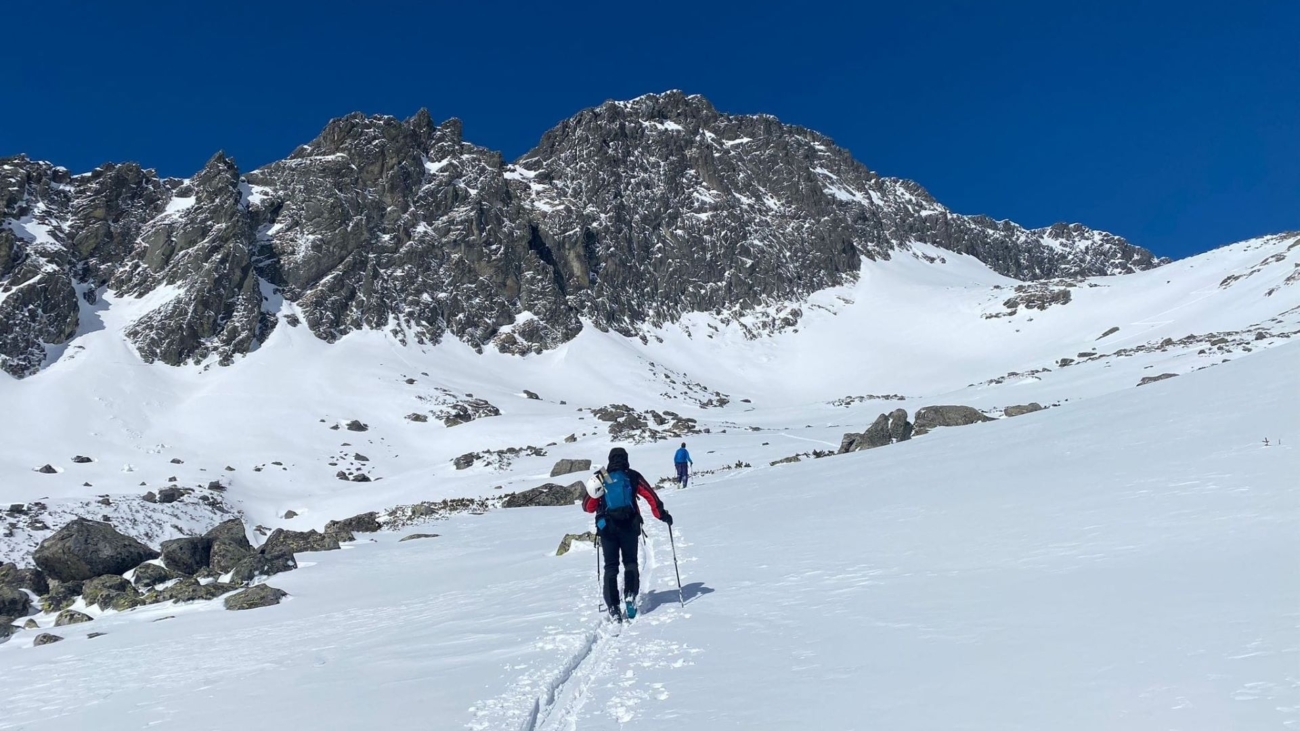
<point x="629" y="214"/>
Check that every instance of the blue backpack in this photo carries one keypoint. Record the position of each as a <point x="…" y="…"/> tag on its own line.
<point x="620" y="497"/>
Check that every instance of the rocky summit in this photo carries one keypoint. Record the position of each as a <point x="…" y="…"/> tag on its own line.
<point x="628" y="215"/>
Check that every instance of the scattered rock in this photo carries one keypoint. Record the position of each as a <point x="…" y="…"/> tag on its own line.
<point x="187" y="555"/>
<point x="930" y="417"/>
<point x="71" y="616"/>
<point x="531" y="396"/>
<point x="13" y="602"/>
<point x="290" y="515"/>
<point x="1023" y="409"/>
<point x="93" y="635"/>
<point x="84" y="549"/>
<point x="150" y="497"/>
<point x="341" y="475"/>
<point x="262" y="565"/>
<point x="569" y="466"/>
<point x="254" y="597"/>
<point x="1109" y="332"/>
<point x="170" y="494"/>
<point x="465" y="461"/>
<point x="567" y="542"/>
<point x="177" y="460"/>
<point x="548" y="494"/>
<point x="111" y="592"/>
<point x="1153" y="379"/>
<point x="359" y="457"/>
<point x="82" y="460"/>
<point x="1261" y="335"/>
<point x="1063" y="362"/>
<point x="571" y="439"/>
<point x="47" y="470"/>
<point x="292" y="541"/>
<point x="361" y="477"/>
<point x="216" y="485"/>
<point x="45" y="638"/>
<point x="417" y="417"/>
<point x="363" y="523"/>
<point x="789" y="460"/>
<point x="229" y="468"/>
<point x="355" y="425"/>
<point x="416" y="536"/>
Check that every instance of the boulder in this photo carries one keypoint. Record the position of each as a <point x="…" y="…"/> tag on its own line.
<point x="363" y="523"/>
<point x="47" y="470"/>
<point x="170" y="494"/>
<point x="149" y="575"/>
<point x="1022" y="409"/>
<point x="31" y="624"/>
<point x="465" y="461"/>
<point x="548" y="494"/>
<point x="79" y="459"/>
<point x="417" y="417"/>
<point x="292" y="541"/>
<point x="188" y="590"/>
<point x="290" y="514"/>
<point x="569" y="466"/>
<point x="70" y="616"/>
<point x="262" y="565"/>
<point x="32" y="580"/>
<point x="929" y="417"/>
<point x="567" y="542"/>
<point x="255" y="597"/>
<point x="531" y="396"/>
<point x="231" y="530"/>
<point x="355" y="425"/>
<point x="361" y="477"/>
<point x="111" y="592"/>
<point x="187" y="555"/>
<point x="62" y="594"/>
<point x="45" y="638"/>
<point x="225" y="553"/>
<point x="84" y="549"/>
<point x="417" y="536"/>
<point x="14" y="602"/>
<point x="1153" y="379"/>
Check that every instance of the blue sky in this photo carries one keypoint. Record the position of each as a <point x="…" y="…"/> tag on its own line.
<point x="1176" y="125"/>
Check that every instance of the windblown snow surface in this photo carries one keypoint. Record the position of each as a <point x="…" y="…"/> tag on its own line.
<point x="1128" y="558"/>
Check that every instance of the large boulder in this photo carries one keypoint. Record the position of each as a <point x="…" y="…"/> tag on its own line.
<point x="187" y="555"/>
<point x="569" y="466"/>
<point x="255" y="597"/>
<point x="111" y="592"/>
<point x="84" y="549"/>
<point x="548" y="494"/>
<point x="32" y="580"/>
<point x="13" y="602"/>
<point x="262" y="565"/>
<point x="1022" y="409"/>
<point x="876" y="435"/>
<point x="293" y="541"/>
<point x="364" y="523"/>
<point x="929" y="417"/>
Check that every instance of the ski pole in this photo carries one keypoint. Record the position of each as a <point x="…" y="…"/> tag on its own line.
<point x="673" y="543"/>
<point x="600" y="585"/>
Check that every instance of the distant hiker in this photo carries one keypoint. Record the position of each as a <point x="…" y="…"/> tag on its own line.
<point x="683" y="462"/>
<point x="611" y="495"/>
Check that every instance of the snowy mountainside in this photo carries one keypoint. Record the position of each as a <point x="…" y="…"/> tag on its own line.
<point x="630" y="214"/>
<point x="1123" y="562"/>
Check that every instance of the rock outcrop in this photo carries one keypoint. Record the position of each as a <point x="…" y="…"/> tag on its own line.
<point x="549" y="495"/>
<point x="930" y="417"/>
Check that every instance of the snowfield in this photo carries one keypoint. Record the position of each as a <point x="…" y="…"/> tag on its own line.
<point x="1126" y="558"/>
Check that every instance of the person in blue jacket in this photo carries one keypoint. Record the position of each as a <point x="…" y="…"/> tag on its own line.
<point x="683" y="462"/>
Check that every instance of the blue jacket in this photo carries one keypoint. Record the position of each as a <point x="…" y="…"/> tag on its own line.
<point x="682" y="456"/>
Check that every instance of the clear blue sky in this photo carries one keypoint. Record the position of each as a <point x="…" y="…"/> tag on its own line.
<point x="1174" y="124"/>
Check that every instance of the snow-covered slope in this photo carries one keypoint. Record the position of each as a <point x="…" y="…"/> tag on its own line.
<point x="1126" y="561"/>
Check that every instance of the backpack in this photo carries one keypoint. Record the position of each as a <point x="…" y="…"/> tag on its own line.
<point x="620" y="497"/>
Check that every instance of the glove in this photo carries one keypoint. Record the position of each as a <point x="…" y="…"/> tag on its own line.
<point x="668" y="518"/>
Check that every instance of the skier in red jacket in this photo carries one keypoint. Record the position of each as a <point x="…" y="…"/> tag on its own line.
<point x="612" y="495"/>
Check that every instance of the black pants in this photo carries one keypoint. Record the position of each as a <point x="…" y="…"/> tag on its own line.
<point x="616" y="540"/>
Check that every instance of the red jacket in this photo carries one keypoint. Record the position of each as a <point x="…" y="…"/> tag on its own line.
<point x="643" y="489"/>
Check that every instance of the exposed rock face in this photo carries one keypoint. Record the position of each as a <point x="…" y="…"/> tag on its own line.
<point x="1023" y="409"/>
<point x="548" y="494"/>
<point x="569" y="466"/>
<point x="886" y="429"/>
<point x="364" y="523"/>
<point x="84" y="549"/>
<point x="627" y="214"/>
<point x="255" y="597"/>
<point x="929" y="417"/>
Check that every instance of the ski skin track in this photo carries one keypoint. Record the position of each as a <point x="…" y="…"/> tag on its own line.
<point x="567" y="694"/>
